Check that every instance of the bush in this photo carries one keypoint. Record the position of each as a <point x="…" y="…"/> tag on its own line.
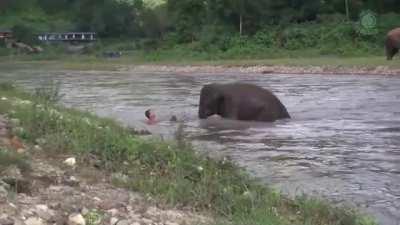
<point x="332" y="35"/>
<point x="25" y="34"/>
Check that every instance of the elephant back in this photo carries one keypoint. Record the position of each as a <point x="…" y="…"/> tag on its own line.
<point x="242" y="101"/>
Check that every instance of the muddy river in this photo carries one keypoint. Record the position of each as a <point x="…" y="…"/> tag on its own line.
<point x="342" y="143"/>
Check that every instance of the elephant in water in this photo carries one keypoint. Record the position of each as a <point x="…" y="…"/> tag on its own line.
<point x="240" y="101"/>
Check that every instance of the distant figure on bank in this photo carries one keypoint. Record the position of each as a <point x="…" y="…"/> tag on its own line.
<point x="392" y="43"/>
<point x="152" y="118"/>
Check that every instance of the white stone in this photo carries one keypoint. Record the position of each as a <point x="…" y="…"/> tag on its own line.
<point x="200" y="168"/>
<point x="113" y="221"/>
<point x="84" y="211"/>
<point x="34" y="221"/>
<point x="70" y="162"/>
<point x="76" y="219"/>
<point x="40" y="141"/>
<point x="171" y="223"/>
<point x="123" y="222"/>
<point x="21" y="151"/>
<point x="44" y="212"/>
<point x="113" y="212"/>
<point x="42" y="207"/>
<point x="12" y="205"/>
<point x="56" y="188"/>
<point x="18" y="221"/>
<point x="147" y="221"/>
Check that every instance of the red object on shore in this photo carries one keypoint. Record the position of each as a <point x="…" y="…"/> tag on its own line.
<point x="5" y="34"/>
<point x="16" y="143"/>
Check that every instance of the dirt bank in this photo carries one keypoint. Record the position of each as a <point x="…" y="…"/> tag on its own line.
<point x="264" y="69"/>
<point x="39" y="189"/>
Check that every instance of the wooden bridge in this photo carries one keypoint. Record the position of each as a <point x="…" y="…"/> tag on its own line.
<point x="68" y="37"/>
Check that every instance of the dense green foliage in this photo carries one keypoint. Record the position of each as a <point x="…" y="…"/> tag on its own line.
<point x="169" y="171"/>
<point x="222" y="28"/>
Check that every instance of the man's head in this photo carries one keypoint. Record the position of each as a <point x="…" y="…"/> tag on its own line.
<point x="150" y="114"/>
<point x="147" y="113"/>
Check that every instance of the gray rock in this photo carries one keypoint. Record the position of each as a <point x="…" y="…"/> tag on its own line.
<point x="84" y="211"/>
<point x="4" y="184"/>
<point x="13" y="177"/>
<point x="11" y="172"/>
<point x="34" y="221"/>
<point x="171" y="223"/>
<point x="3" y="193"/>
<point x="18" y="222"/>
<point x="18" y="185"/>
<point x="27" y="213"/>
<point x="119" y="177"/>
<point x="123" y="222"/>
<point x="55" y="205"/>
<point x="37" y="148"/>
<point x="113" y="221"/>
<point x="5" y="220"/>
<point x="71" y="181"/>
<point x="76" y="219"/>
<point x="44" y="212"/>
<point x="113" y="212"/>
<point x="147" y="221"/>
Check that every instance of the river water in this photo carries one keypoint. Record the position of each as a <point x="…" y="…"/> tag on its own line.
<point x="342" y="143"/>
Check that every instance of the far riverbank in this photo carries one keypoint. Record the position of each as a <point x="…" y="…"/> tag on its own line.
<point x="318" y="65"/>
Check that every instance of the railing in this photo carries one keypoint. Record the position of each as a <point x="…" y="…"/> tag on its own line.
<point x="72" y="36"/>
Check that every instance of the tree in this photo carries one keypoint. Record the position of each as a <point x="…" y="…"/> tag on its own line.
<point x="187" y="17"/>
<point x="108" y="17"/>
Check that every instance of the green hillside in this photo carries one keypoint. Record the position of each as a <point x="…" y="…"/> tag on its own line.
<point x="209" y="29"/>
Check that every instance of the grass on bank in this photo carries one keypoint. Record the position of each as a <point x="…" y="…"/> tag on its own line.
<point x="83" y="62"/>
<point x="170" y="171"/>
<point x="11" y="158"/>
<point x="56" y="56"/>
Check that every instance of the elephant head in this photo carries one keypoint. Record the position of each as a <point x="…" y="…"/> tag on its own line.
<point x="211" y="101"/>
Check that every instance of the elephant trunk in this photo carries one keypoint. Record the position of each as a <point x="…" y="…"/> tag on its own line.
<point x="202" y="113"/>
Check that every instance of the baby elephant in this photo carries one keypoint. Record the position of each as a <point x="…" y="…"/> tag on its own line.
<point x="240" y="101"/>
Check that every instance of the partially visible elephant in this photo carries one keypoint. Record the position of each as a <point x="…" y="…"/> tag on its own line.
<point x="392" y="44"/>
<point x="240" y="101"/>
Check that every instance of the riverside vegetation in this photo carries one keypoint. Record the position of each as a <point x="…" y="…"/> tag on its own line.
<point x="158" y="30"/>
<point x="170" y="171"/>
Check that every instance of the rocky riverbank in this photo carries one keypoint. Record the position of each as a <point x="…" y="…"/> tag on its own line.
<point x="59" y="190"/>
<point x="265" y="69"/>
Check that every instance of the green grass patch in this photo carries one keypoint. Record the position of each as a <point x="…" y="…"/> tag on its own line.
<point x="170" y="171"/>
<point x="90" y="62"/>
<point x="11" y="158"/>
